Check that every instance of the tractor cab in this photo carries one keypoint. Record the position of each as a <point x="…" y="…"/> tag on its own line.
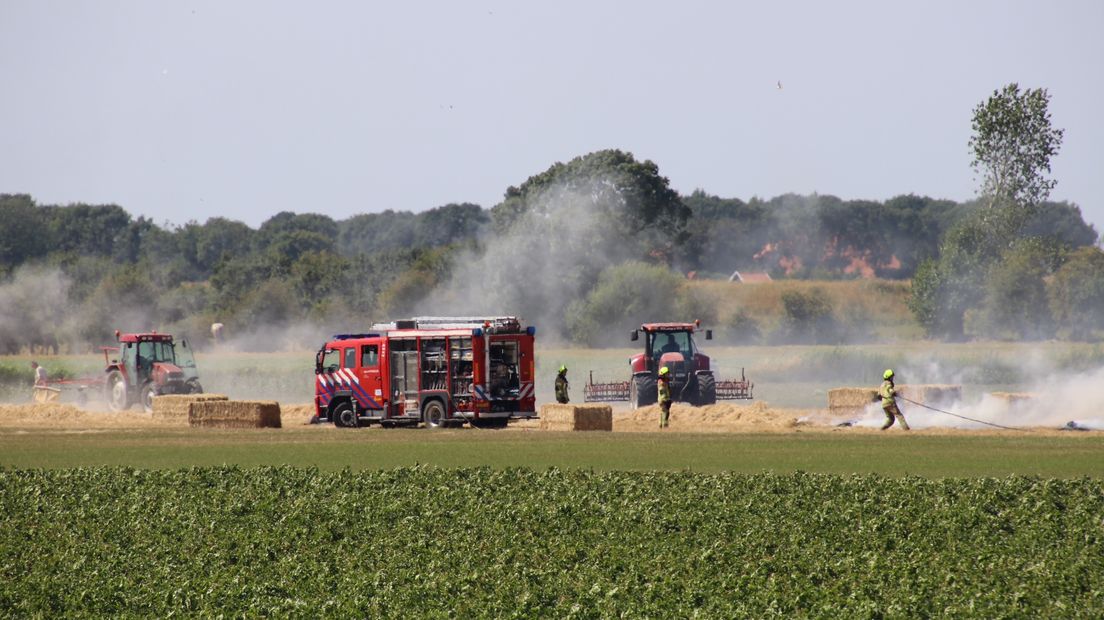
<point x="671" y="345"/>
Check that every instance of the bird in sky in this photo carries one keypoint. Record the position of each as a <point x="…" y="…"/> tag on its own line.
<point x="779" y="84"/>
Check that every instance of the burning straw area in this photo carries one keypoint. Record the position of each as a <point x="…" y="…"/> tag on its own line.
<point x="851" y="402"/>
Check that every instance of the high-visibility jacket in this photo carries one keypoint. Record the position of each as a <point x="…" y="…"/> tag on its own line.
<point x="664" y="390"/>
<point x="561" y="389"/>
<point x="888" y="394"/>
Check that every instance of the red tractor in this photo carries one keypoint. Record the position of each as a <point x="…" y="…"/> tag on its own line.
<point x="692" y="381"/>
<point x="148" y="365"/>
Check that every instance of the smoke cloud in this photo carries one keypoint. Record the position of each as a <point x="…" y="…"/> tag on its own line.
<point x="1053" y="401"/>
<point x="34" y="304"/>
<point x="550" y="256"/>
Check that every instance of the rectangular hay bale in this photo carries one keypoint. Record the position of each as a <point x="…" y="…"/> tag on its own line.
<point x="850" y="397"/>
<point x="1015" y="399"/>
<point x="175" y="406"/>
<point x="932" y="393"/>
<point x="234" y="414"/>
<point x="557" y="417"/>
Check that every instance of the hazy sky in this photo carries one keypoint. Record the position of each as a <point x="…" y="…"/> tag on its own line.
<point x="186" y="110"/>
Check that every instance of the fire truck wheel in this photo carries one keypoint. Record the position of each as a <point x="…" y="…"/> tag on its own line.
<point x="343" y="415"/>
<point x="433" y="414"/>
<point x="115" y="391"/>
<point x="145" y="396"/>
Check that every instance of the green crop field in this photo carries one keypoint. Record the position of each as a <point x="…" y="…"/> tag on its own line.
<point x="843" y="452"/>
<point x="112" y="521"/>
<point x="522" y="543"/>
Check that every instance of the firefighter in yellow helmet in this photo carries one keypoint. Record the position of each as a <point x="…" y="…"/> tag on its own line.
<point x="889" y="402"/>
<point x="664" y="386"/>
<point x="561" y="386"/>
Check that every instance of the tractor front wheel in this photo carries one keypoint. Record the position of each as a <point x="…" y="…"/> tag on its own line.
<point x="145" y="396"/>
<point x="643" y="391"/>
<point x="193" y="387"/>
<point x="707" y="390"/>
<point x="115" y="391"/>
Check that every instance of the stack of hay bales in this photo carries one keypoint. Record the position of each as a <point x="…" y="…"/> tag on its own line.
<point x="851" y="402"/>
<point x="234" y="414"/>
<point x="174" y="407"/>
<point x="557" y="417"/>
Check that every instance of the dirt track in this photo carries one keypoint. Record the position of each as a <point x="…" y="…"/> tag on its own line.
<point x="756" y="417"/>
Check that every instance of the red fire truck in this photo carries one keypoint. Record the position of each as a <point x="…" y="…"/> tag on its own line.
<point x="443" y="371"/>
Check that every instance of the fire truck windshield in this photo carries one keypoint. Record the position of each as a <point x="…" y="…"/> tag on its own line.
<point x="328" y="360"/>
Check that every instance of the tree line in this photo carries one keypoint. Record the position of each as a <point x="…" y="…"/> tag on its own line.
<point x="578" y="246"/>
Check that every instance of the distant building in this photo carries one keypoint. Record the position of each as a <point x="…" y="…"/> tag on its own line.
<point x="749" y="277"/>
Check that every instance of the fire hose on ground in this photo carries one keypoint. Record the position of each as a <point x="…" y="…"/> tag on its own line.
<point x="1011" y="428"/>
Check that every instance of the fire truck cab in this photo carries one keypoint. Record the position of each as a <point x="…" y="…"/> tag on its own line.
<point x="441" y="371"/>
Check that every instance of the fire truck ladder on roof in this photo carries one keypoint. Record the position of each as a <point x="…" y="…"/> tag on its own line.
<point x="497" y="323"/>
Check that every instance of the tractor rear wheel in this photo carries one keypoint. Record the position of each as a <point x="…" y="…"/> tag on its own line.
<point x="343" y="415"/>
<point x="115" y="391"/>
<point x="145" y="396"/>
<point x="193" y="387"/>
<point x="707" y="390"/>
<point x="642" y="391"/>
<point x="434" y="414"/>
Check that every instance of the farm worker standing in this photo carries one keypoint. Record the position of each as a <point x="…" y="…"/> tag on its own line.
<point x="39" y="375"/>
<point x="42" y="392"/>
<point x="889" y="402"/>
<point x="664" y="396"/>
<point x="561" y="386"/>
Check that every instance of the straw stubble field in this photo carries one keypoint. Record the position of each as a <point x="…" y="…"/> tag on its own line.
<point x="792" y="404"/>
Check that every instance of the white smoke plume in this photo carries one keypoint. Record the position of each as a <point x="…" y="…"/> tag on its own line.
<point x="548" y="258"/>
<point x="34" y="306"/>
<point x="1054" y="401"/>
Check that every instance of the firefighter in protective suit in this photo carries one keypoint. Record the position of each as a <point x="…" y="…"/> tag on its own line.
<point x="664" y="387"/>
<point x="561" y="386"/>
<point x="889" y="402"/>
